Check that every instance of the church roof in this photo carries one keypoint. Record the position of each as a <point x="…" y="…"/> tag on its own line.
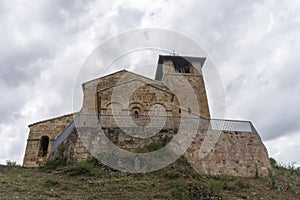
<point x="52" y="119"/>
<point x="152" y="84"/>
<point x="134" y="76"/>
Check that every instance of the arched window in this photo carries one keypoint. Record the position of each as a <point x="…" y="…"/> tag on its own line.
<point x="44" y="143"/>
<point x="136" y="114"/>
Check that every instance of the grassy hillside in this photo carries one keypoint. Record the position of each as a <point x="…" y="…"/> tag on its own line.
<point x="89" y="180"/>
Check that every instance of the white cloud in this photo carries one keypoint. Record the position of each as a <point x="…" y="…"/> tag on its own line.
<point x="285" y="149"/>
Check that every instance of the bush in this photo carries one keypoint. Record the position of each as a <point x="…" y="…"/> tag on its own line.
<point x="217" y="186"/>
<point x="273" y="162"/>
<point x="80" y="168"/>
<point x="290" y="168"/>
<point x="180" y="193"/>
<point x="11" y="163"/>
<point x="197" y="190"/>
<point x="53" y="164"/>
<point x="172" y="174"/>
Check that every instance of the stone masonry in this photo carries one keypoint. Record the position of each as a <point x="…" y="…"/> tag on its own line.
<point x="135" y="111"/>
<point x="51" y="128"/>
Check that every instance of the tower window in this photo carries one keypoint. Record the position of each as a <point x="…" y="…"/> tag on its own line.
<point x="182" y="69"/>
<point x="186" y="69"/>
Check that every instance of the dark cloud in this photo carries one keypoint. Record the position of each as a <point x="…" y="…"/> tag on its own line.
<point x="17" y="65"/>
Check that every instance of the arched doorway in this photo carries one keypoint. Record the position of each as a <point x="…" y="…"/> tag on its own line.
<point x="44" y="143"/>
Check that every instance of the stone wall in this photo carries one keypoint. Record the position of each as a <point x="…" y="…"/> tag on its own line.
<point x="92" y="88"/>
<point x="146" y="99"/>
<point x="51" y="128"/>
<point x="234" y="153"/>
<point x="75" y="150"/>
<point x="71" y="148"/>
<point x="182" y="82"/>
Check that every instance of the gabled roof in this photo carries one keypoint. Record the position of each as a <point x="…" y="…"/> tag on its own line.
<point x="98" y="79"/>
<point x="52" y="119"/>
<point x="152" y="84"/>
<point x="137" y="76"/>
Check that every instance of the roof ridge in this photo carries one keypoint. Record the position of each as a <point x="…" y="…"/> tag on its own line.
<point x="50" y="119"/>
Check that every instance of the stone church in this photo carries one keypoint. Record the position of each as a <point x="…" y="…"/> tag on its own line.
<point x="124" y="105"/>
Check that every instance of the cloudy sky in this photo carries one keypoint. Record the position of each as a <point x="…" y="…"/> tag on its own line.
<point x="255" y="46"/>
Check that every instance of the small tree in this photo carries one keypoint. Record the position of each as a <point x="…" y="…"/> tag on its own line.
<point x="11" y="163"/>
<point x="273" y="162"/>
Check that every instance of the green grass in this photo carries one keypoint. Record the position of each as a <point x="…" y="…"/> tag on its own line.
<point x="90" y="180"/>
<point x="53" y="165"/>
<point x="50" y="183"/>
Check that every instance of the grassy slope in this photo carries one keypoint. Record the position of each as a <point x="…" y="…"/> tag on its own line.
<point x="88" y="180"/>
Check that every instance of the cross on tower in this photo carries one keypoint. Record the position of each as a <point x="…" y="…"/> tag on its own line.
<point x="173" y="53"/>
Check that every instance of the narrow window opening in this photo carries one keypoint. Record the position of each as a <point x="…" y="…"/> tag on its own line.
<point x="136" y="114"/>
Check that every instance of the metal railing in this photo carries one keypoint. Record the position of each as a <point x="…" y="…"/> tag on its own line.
<point x="161" y="122"/>
<point x="231" y="125"/>
<point x="63" y="135"/>
<point x="125" y="121"/>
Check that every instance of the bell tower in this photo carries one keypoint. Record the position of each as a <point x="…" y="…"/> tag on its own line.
<point x="171" y="68"/>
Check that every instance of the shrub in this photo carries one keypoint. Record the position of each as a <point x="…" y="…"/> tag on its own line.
<point x="50" y="183"/>
<point x="11" y="163"/>
<point x="245" y="197"/>
<point x="180" y="193"/>
<point x="217" y="186"/>
<point x="290" y="168"/>
<point x="172" y="174"/>
<point x="80" y="168"/>
<point x="53" y="164"/>
<point x="273" y="162"/>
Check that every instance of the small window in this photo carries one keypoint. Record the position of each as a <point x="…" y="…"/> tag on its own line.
<point x="189" y="111"/>
<point x="136" y="114"/>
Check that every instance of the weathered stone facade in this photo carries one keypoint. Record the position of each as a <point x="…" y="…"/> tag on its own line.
<point x="51" y="129"/>
<point x="74" y="150"/>
<point x="235" y="153"/>
<point x="134" y="111"/>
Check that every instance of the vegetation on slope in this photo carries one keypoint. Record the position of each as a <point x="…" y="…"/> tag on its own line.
<point x="90" y="180"/>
